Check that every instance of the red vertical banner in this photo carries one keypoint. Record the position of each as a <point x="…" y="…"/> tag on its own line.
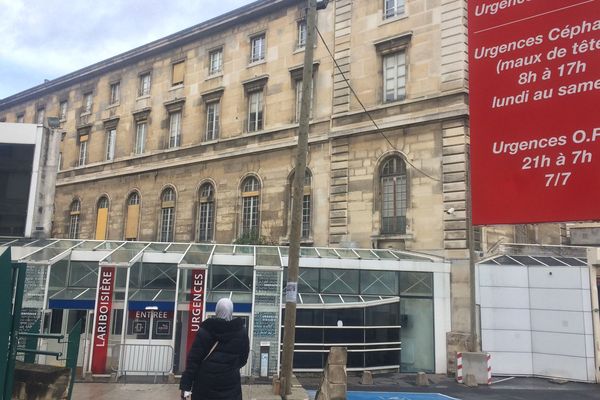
<point x="196" y="308"/>
<point x="102" y="319"/>
<point x="534" y="91"/>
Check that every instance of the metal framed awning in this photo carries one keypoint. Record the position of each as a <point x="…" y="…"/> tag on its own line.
<point x="124" y="254"/>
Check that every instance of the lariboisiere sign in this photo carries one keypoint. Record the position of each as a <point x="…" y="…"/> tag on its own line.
<point x="102" y="321"/>
<point x="534" y="83"/>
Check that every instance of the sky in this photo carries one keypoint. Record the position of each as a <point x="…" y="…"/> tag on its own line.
<point x="46" y="39"/>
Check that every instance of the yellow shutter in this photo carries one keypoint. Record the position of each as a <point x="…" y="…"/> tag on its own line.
<point x="131" y="228"/>
<point x="83" y="138"/>
<point x="101" y="223"/>
<point x="178" y="73"/>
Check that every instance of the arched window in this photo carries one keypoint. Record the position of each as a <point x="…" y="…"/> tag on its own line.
<point x="75" y="214"/>
<point x="102" y="218"/>
<point x="250" y="206"/>
<point x="306" y="203"/>
<point x="393" y="196"/>
<point x="133" y="216"/>
<point x="206" y="213"/>
<point x="167" y="215"/>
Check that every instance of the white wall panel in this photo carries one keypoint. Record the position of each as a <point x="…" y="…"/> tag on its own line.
<point x="506" y="341"/>
<point x="557" y="321"/>
<point x="563" y="366"/>
<point x="494" y="275"/>
<point x="585" y="277"/>
<point x="511" y="363"/>
<point x="504" y="297"/>
<point x="556" y="299"/>
<point x="537" y="323"/>
<point x="586" y="300"/>
<point x="554" y="277"/>
<point x="505" y="318"/>
<point x="565" y="344"/>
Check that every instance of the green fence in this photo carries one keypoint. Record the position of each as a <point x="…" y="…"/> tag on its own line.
<point x="12" y="283"/>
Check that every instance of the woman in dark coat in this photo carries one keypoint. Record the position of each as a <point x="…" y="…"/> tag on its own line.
<point x="216" y="375"/>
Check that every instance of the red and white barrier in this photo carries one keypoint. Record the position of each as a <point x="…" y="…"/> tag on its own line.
<point x="477" y="364"/>
<point x="459" y="368"/>
<point x="489" y="368"/>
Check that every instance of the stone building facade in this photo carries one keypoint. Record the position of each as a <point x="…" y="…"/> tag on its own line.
<point x="192" y="137"/>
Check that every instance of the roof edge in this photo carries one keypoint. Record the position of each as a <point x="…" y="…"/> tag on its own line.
<point x="247" y="12"/>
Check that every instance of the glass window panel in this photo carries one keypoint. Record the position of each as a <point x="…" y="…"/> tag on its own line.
<point x="308" y="360"/>
<point x="331" y="298"/>
<point x="174" y="129"/>
<point x="384" y="254"/>
<point x="416" y="284"/>
<point x="309" y="317"/>
<point x="157" y="247"/>
<point x="166" y="295"/>
<point x="327" y="253"/>
<point x="405" y="256"/>
<point x="134" y="275"/>
<point x="308" y="281"/>
<point x="224" y="249"/>
<point x="83" y="274"/>
<point x="231" y="278"/>
<point x="140" y="138"/>
<point x="348" y="316"/>
<point x="311" y="298"/>
<point x="58" y="274"/>
<point x="267" y="256"/>
<point x="383" y="314"/>
<point x="525" y="260"/>
<point x="417" y="335"/>
<point x="244" y="250"/>
<point x="339" y="281"/>
<point x="572" y="261"/>
<point x="381" y="335"/>
<point x="56" y="321"/>
<point x="382" y="358"/>
<point x="341" y="336"/>
<point x="161" y="276"/>
<point x="379" y="282"/>
<point x="144" y="294"/>
<point x="546" y="260"/>
<point x="351" y="299"/>
<point x="308" y="252"/>
<point x="197" y="254"/>
<point x="346" y="253"/>
<point x="367" y="255"/>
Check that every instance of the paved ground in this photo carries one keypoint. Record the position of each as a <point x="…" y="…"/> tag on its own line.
<point x="161" y="391"/>
<point x="512" y="389"/>
<point x="386" y="387"/>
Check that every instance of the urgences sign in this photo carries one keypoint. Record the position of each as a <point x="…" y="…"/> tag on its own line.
<point x="534" y="77"/>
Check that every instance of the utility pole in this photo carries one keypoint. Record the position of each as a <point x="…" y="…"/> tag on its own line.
<point x="289" y="331"/>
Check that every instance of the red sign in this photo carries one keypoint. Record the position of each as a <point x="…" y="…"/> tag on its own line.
<point x="196" y="308"/>
<point x="534" y="81"/>
<point x="102" y="321"/>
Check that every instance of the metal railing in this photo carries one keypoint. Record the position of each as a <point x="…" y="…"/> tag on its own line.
<point x="142" y="359"/>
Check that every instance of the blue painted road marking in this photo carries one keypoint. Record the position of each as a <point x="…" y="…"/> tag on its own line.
<point x="394" y="396"/>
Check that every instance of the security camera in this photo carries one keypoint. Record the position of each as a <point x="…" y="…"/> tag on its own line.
<point x="322" y="4"/>
<point x="450" y="211"/>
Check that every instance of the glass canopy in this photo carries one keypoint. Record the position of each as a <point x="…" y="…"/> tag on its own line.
<point x="125" y="254"/>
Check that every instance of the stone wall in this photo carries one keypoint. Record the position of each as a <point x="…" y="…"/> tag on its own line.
<point x="334" y="383"/>
<point x="40" y="382"/>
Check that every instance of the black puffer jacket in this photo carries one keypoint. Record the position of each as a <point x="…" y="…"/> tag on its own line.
<point x="217" y="377"/>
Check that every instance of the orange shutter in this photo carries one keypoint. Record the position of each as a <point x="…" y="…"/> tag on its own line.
<point x="101" y="222"/>
<point x="131" y="228"/>
<point x="178" y="73"/>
